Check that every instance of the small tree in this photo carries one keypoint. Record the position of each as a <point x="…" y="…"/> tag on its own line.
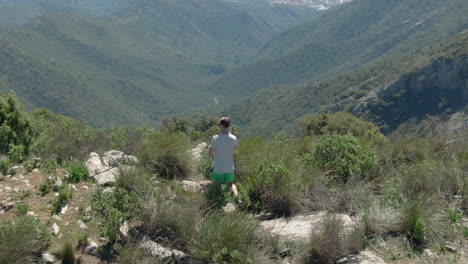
<point x="15" y="127"/>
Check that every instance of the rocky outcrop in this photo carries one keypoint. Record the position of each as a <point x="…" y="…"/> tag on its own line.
<point x="105" y="170"/>
<point x="115" y="158"/>
<point x="197" y="151"/>
<point x="193" y="186"/>
<point x="300" y="227"/>
<point x="158" y="251"/>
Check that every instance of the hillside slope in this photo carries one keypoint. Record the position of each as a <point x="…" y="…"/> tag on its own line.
<point x="428" y="82"/>
<point x="362" y="32"/>
<point x="142" y="63"/>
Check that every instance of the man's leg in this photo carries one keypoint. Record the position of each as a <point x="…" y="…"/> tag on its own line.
<point x="229" y="178"/>
<point x="233" y="188"/>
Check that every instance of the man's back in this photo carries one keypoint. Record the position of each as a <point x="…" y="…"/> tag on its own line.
<point x="224" y="145"/>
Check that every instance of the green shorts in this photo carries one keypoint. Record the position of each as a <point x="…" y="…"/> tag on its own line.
<point x="223" y="177"/>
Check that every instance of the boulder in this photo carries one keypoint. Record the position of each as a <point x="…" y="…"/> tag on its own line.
<point x="368" y="257"/>
<point x="158" y="251"/>
<point x="229" y="208"/>
<point x="104" y="172"/>
<point x="91" y="248"/>
<point x="55" y="229"/>
<point x="193" y="186"/>
<point x="107" y="177"/>
<point x="124" y="229"/>
<point x="300" y="227"/>
<point x="115" y="158"/>
<point x="48" y="258"/>
<point x="81" y="224"/>
<point x="197" y="151"/>
<point x="95" y="165"/>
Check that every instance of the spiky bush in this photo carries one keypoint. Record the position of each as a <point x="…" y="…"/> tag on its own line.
<point x="227" y="238"/>
<point x="77" y="172"/>
<point x="166" y="155"/>
<point x="330" y="242"/>
<point x="272" y="187"/>
<point x="22" y="240"/>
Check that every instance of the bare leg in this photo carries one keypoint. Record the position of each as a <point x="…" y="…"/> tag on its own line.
<point x="233" y="188"/>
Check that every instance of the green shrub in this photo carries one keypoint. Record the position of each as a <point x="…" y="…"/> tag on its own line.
<point x="166" y="155"/>
<point x="134" y="179"/>
<point x="77" y="172"/>
<point x="49" y="165"/>
<point x="343" y="157"/>
<point x="166" y="221"/>
<point x="421" y="222"/>
<point x="65" y="138"/>
<point x="175" y="124"/>
<point x="82" y="242"/>
<point x="15" y="128"/>
<point x="45" y="187"/>
<point x="330" y="242"/>
<point x="226" y="238"/>
<point x="343" y="123"/>
<point x="4" y="166"/>
<point x="21" y="209"/>
<point x="114" y="207"/>
<point x="22" y="240"/>
<point x="272" y="188"/>
<point x="252" y="151"/>
<point x="68" y="254"/>
<point x="64" y="195"/>
<point x="431" y="177"/>
<point x="16" y="153"/>
<point x="217" y="195"/>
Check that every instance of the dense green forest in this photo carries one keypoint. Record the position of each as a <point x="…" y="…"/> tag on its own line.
<point x="430" y="81"/>
<point x="141" y="63"/>
<point x="365" y="32"/>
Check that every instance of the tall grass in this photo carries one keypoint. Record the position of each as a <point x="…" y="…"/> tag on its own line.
<point x="228" y="238"/>
<point x="166" y="155"/>
<point x="330" y="242"/>
<point x="22" y="240"/>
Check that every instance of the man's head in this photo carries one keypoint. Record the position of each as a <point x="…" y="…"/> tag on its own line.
<point x="224" y="124"/>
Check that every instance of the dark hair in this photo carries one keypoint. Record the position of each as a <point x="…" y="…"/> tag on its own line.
<point x="225" y="122"/>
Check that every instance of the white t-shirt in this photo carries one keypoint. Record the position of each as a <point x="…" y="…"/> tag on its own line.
<point x="224" y="145"/>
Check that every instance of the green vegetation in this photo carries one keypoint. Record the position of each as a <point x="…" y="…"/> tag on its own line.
<point x="166" y="154"/>
<point x="15" y="129"/>
<point x="330" y="242"/>
<point x="338" y="42"/>
<point x="342" y="157"/>
<point x="22" y="240"/>
<point x="64" y="195"/>
<point x="391" y="98"/>
<point x="228" y="238"/>
<point x="77" y="172"/>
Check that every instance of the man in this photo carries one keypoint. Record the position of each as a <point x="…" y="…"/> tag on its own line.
<point x="222" y="148"/>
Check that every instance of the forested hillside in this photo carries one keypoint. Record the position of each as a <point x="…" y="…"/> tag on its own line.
<point x="137" y="64"/>
<point x="364" y="32"/>
<point x="431" y="81"/>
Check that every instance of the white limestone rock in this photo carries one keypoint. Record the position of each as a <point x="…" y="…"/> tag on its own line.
<point x="197" y="151"/>
<point x="91" y="248"/>
<point x="48" y="258"/>
<point x="158" y="251"/>
<point x="300" y="227"/>
<point x="55" y="229"/>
